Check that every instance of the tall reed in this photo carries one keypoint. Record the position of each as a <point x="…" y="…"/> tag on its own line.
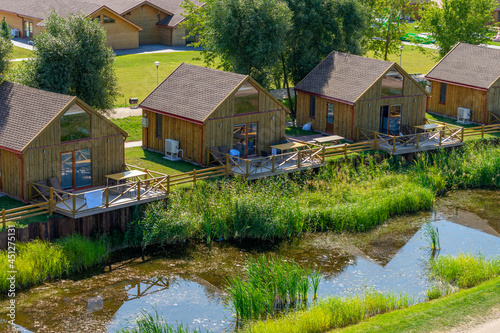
<point x="154" y="323"/>
<point x="431" y="234"/>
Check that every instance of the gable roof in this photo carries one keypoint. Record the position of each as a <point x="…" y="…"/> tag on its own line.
<point x="344" y="77"/>
<point x="471" y="65"/>
<point x="39" y="9"/>
<point x="192" y="92"/>
<point x="26" y="111"/>
<point x="21" y="118"/>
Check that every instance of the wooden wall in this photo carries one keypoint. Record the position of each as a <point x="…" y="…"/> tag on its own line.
<point x="188" y="134"/>
<point x="147" y="17"/>
<point x="341" y="120"/>
<point x="10" y="166"/>
<point x="457" y="96"/>
<point x="121" y="34"/>
<point x="42" y="158"/>
<point x="178" y="35"/>
<point x="165" y="35"/>
<point x="494" y="99"/>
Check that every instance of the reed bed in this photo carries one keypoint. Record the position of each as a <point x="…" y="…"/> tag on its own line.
<point x="464" y="270"/>
<point x="269" y="286"/>
<point x="38" y="261"/>
<point x="332" y="313"/>
<point x="154" y="323"/>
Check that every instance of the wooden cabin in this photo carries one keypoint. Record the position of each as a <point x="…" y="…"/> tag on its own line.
<point x="203" y="108"/>
<point x="47" y="135"/>
<point x="346" y="93"/>
<point x="467" y="77"/>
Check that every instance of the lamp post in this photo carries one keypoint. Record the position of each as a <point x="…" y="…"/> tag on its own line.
<point x="157" y="63"/>
<point x="400" y="54"/>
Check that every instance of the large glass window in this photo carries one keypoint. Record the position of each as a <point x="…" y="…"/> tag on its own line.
<point x="442" y="96"/>
<point x="246" y="99"/>
<point x="159" y="125"/>
<point x="312" y="106"/>
<point x="76" y="169"/>
<point x="75" y="124"/>
<point x="107" y="19"/>
<point x="392" y="84"/>
<point x="245" y="139"/>
<point x="330" y="113"/>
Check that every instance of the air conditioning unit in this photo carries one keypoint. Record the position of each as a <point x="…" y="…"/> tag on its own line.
<point x="172" y="150"/>
<point x="463" y="116"/>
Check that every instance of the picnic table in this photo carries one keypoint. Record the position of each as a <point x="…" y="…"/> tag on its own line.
<point x="326" y="139"/>
<point x="289" y="146"/>
<point x="429" y="127"/>
<point x="120" y="176"/>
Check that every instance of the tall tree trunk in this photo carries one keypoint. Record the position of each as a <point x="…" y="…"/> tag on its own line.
<point x="285" y="76"/>
<point x="387" y="41"/>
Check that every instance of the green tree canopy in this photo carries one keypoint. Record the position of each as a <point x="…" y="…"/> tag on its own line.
<point x="5" y="30"/>
<point x="70" y="57"/>
<point x="459" y="21"/>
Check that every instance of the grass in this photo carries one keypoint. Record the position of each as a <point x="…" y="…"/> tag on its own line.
<point x="436" y="316"/>
<point x="454" y="122"/>
<point x="39" y="261"/>
<point x="154" y="323"/>
<point x="131" y="125"/>
<point x="413" y="59"/>
<point x="11" y="203"/>
<point x="155" y="161"/>
<point x="297" y="131"/>
<point x="270" y="285"/>
<point x="333" y="312"/>
<point x="137" y="73"/>
<point x="465" y="270"/>
<point x="20" y="53"/>
<point x="431" y="234"/>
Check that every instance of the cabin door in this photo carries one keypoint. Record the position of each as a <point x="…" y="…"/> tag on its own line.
<point x="390" y="119"/>
<point x="76" y="169"/>
<point x="245" y="139"/>
<point x="329" y="118"/>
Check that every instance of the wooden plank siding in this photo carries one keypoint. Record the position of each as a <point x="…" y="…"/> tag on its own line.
<point x="10" y="167"/>
<point x="120" y="34"/>
<point x="342" y="114"/>
<point x="494" y="99"/>
<point x="457" y="96"/>
<point x="42" y="157"/>
<point x="147" y="18"/>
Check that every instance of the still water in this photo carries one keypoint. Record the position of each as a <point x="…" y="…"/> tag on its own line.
<point x="187" y="284"/>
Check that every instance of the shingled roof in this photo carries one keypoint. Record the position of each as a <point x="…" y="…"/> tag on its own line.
<point x="471" y="65"/>
<point x="25" y="111"/>
<point x="192" y="92"/>
<point x="343" y="76"/>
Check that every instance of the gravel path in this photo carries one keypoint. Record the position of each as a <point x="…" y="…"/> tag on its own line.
<point x="124" y="113"/>
<point x="488" y="324"/>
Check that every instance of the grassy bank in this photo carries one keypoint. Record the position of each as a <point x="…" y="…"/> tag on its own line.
<point x="344" y="196"/>
<point x="131" y="125"/>
<point x="154" y="161"/>
<point x="38" y="261"/>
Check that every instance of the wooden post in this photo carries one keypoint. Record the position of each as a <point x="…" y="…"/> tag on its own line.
<point x="418" y="140"/>
<point x="345" y="149"/>
<point x="247" y="167"/>
<point x="323" y="153"/>
<point x="51" y="201"/>
<point x="74" y="203"/>
<point x="4" y="222"/>
<point x="227" y="165"/>
<point x="274" y="158"/>
<point x="375" y="143"/>
<point x="168" y="183"/>
<point x="107" y="197"/>
<point x="482" y="132"/>
<point x="139" y="190"/>
<point x="440" y="137"/>
<point x="194" y="176"/>
<point x="394" y="145"/>
<point x="298" y="159"/>
<point x="462" y="134"/>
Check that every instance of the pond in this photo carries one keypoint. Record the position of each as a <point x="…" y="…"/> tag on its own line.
<point x="187" y="284"/>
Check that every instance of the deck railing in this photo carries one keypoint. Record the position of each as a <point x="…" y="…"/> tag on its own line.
<point x="16" y="214"/>
<point x="493" y="118"/>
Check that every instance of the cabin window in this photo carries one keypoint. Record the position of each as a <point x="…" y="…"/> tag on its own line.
<point x="107" y="19"/>
<point x="246" y="99"/>
<point x="392" y="84"/>
<point x="75" y="124"/>
<point x="390" y="119"/>
<point x="329" y="118"/>
<point x="159" y="125"/>
<point x="312" y="106"/>
<point x="98" y="18"/>
<point x="76" y="169"/>
<point x="442" y="96"/>
<point x="245" y="139"/>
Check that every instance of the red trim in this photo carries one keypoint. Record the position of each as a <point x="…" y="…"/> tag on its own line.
<point x="11" y="150"/>
<point x="426" y="103"/>
<point x="324" y="96"/>
<point x="201" y="145"/>
<point x="20" y="156"/>
<point x="172" y="115"/>
<point x="389" y="97"/>
<point x="457" y="84"/>
<point x="246" y="114"/>
<point x="485" y="107"/>
<point x="352" y="122"/>
<point x="148" y="3"/>
<point x="77" y="141"/>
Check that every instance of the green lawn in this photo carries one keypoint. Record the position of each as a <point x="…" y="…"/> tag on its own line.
<point x="19" y="53"/>
<point x="454" y="122"/>
<point x="298" y="131"/>
<point x="436" y="316"/>
<point x="131" y="125"/>
<point x="155" y="162"/>
<point x="10" y="203"/>
<point x="137" y="73"/>
<point x="413" y="60"/>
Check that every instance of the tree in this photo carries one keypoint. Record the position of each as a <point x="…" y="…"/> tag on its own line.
<point x="5" y="30"/>
<point x="459" y="21"/>
<point x="70" y="57"/>
<point x="387" y="24"/>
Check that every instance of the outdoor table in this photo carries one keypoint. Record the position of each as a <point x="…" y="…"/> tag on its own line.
<point x="325" y="139"/>
<point x="288" y="146"/>
<point x="429" y="127"/>
<point x="125" y="175"/>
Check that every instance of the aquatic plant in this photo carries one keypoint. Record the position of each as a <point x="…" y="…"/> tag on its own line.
<point x="433" y="292"/>
<point x="270" y="285"/>
<point x="331" y="313"/>
<point x="154" y="323"/>
<point x="431" y="234"/>
<point x="464" y="270"/>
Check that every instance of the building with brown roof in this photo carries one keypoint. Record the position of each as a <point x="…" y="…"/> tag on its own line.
<point x="47" y="135"/>
<point x="203" y="108"/>
<point x="467" y="77"/>
<point x="347" y="93"/>
<point x="128" y="23"/>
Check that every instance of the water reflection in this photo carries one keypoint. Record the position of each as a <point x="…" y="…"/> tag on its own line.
<point x="187" y="284"/>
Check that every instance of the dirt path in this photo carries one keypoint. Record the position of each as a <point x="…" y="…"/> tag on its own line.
<point x="487" y="324"/>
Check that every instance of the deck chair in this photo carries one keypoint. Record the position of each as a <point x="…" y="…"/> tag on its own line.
<point x="42" y="187"/>
<point x="219" y="158"/>
<point x="56" y="184"/>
